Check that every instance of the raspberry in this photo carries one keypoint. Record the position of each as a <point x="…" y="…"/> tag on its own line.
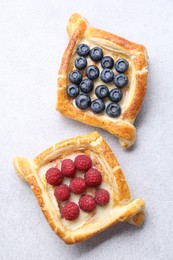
<point x="62" y="192"/>
<point x="68" y="168"/>
<point x="70" y="211"/>
<point x="54" y="176"/>
<point x="77" y="185"/>
<point x="83" y="162"/>
<point x="87" y="203"/>
<point x="102" y="197"/>
<point x="93" y="177"/>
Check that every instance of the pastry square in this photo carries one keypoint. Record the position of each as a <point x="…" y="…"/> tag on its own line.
<point x="95" y="58"/>
<point x="118" y="206"/>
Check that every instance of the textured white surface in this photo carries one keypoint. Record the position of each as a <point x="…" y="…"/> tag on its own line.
<point x="32" y="40"/>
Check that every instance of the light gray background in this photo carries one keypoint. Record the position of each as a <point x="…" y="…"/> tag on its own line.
<point x="32" y="40"/>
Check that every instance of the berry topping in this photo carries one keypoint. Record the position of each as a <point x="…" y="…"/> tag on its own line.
<point x="62" y="192"/>
<point x="102" y="91"/>
<point x="96" y="54"/>
<point x="92" y="72"/>
<point x="83" y="50"/>
<point x="54" y="176"/>
<point x="113" y="110"/>
<point x="87" y="203"/>
<point x="121" y="65"/>
<point x="97" y="106"/>
<point x="83" y="101"/>
<point x="86" y="85"/>
<point x="120" y="80"/>
<point x="68" y="168"/>
<point x="75" y="77"/>
<point x="107" y="62"/>
<point x="80" y="63"/>
<point x="70" y="211"/>
<point x="93" y="177"/>
<point x="115" y="95"/>
<point x="102" y="197"/>
<point x="73" y="90"/>
<point x="83" y="162"/>
<point x="107" y="75"/>
<point x="77" y="185"/>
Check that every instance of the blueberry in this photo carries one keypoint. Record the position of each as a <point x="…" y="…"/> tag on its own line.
<point x="96" y="54"/>
<point x="115" y="95"/>
<point x="121" y="65"/>
<point x="97" y="106"/>
<point x="80" y="63"/>
<point x="73" y="90"/>
<point x="113" y="110"/>
<point x="86" y="85"/>
<point x="107" y="75"/>
<point x="83" y="101"/>
<point x="107" y="62"/>
<point x="83" y="50"/>
<point x="102" y="91"/>
<point x="120" y="80"/>
<point x="92" y="72"/>
<point x="75" y="77"/>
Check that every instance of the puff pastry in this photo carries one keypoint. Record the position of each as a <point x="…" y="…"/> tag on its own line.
<point x="120" y="208"/>
<point x="122" y="126"/>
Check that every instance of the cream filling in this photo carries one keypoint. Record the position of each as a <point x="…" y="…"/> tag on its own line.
<point x="84" y="218"/>
<point x="109" y="49"/>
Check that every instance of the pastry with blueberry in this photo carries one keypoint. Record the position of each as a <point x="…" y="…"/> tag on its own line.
<point x="102" y="80"/>
<point x="80" y="187"/>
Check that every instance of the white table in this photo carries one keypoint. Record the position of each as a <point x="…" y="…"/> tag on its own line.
<point x="33" y="37"/>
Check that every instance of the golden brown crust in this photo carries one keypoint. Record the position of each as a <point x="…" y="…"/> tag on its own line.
<point x="139" y="93"/>
<point x="122" y="210"/>
<point x="123" y="126"/>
